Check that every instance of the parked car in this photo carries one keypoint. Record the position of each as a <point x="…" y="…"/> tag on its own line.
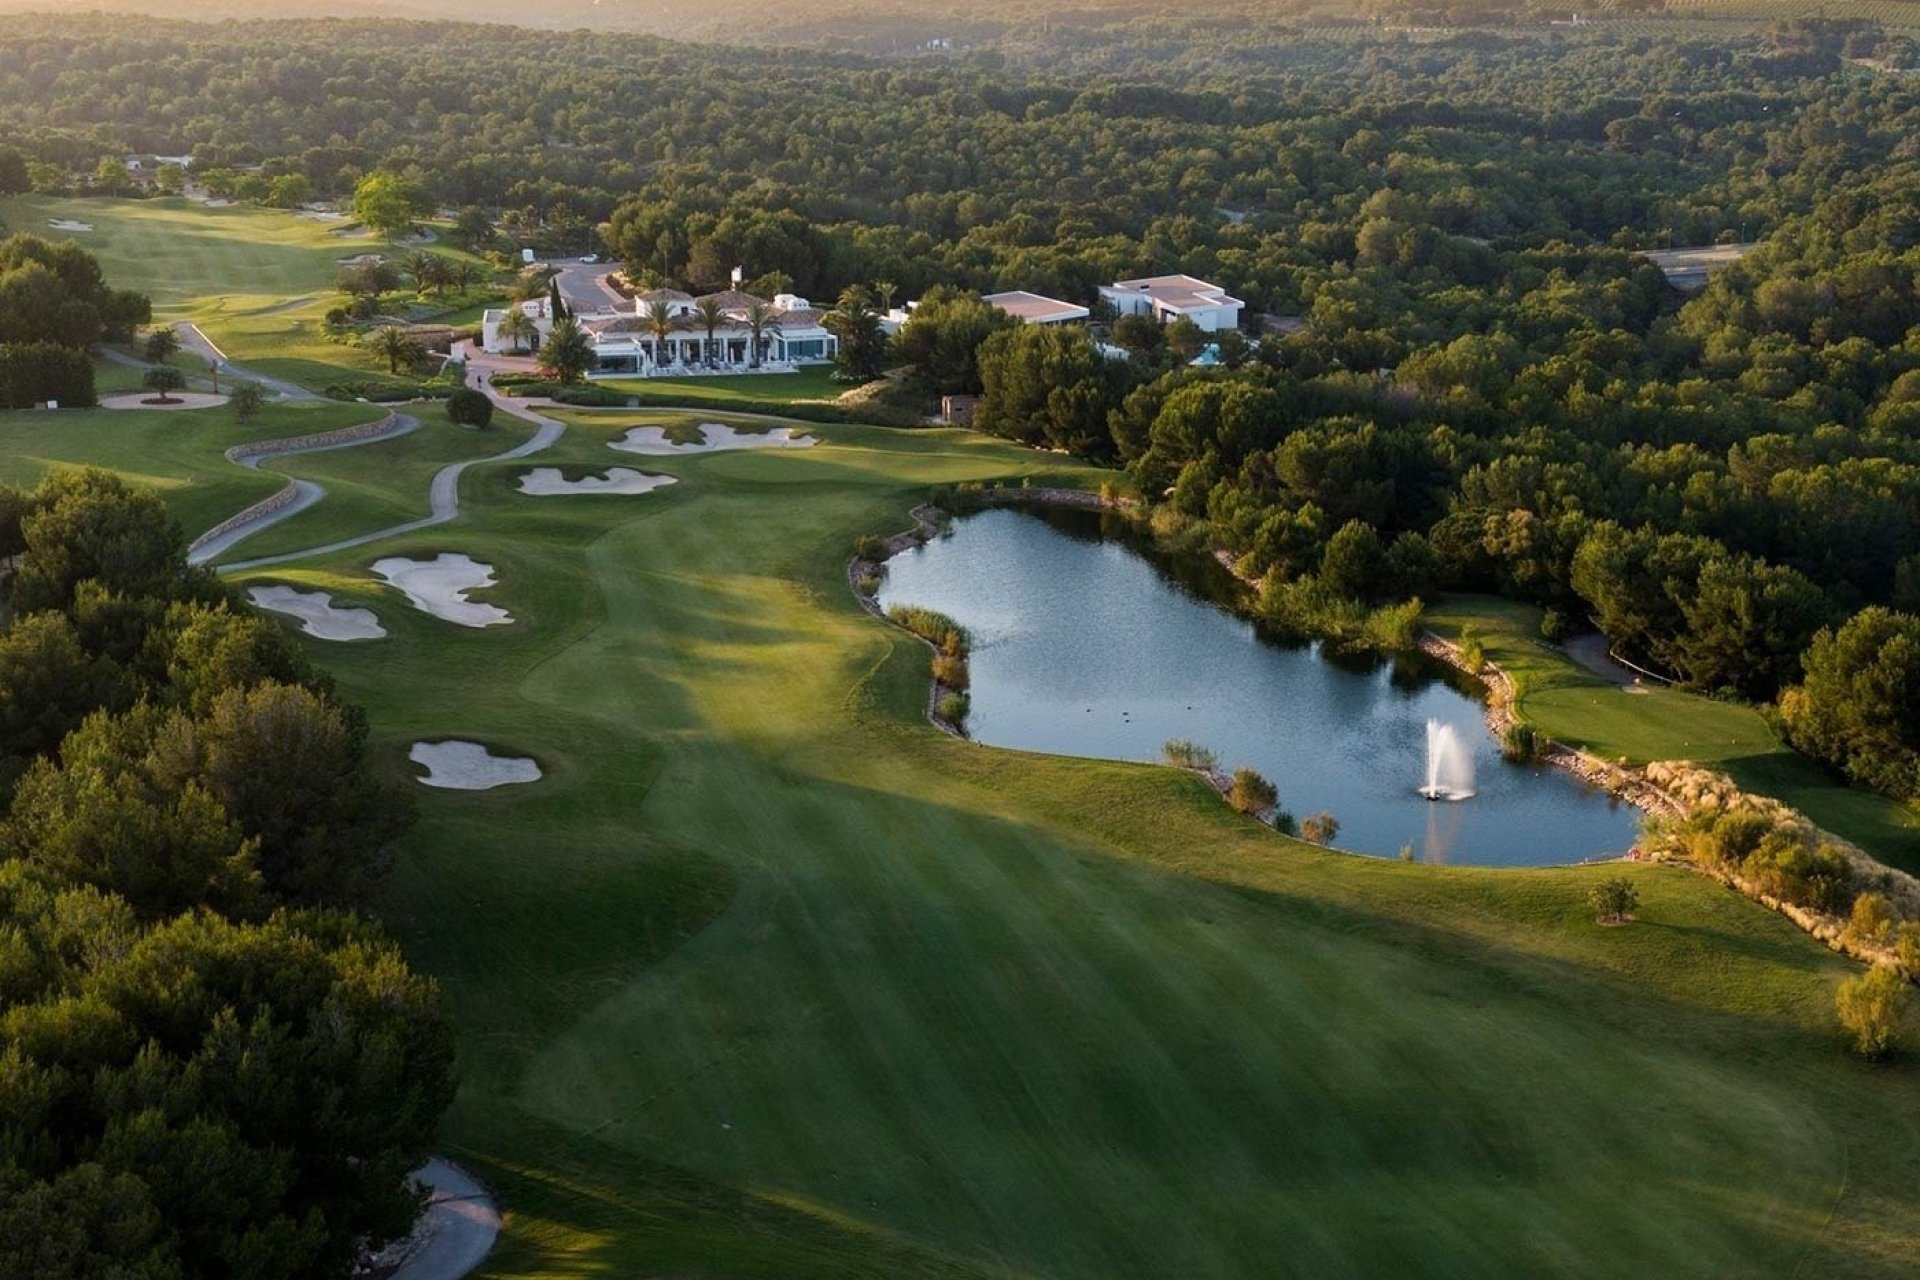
<point x="591" y="258"/>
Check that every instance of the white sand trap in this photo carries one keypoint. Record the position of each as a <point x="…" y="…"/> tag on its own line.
<point x="468" y="766"/>
<point x="715" y="438"/>
<point x="547" y="482"/>
<point x="68" y="224"/>
<point x="439" y="586"/>
<point x="317" y="613"/>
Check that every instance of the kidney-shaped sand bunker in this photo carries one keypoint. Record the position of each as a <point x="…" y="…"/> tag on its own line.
<point x="318" y="615"/>
<point x="715" y="437"/>
<point x="468" y="766"/>
<point x="545" y="482"/>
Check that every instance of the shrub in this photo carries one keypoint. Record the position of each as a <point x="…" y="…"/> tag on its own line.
<point x="591" y="397"/>
<point x="953" y="708"/>
<point x="32" y="373"/>
<point x="470" y="408"/>
<point x="1871" y="923"/>
<point x="1795" y="869"/>
<point x="1392" y="626"/>
<point x="870" y="546"/>
<point x="1520" y="744"/>
<point x="867" y="584"/>
<point x="1183" y="754"/>
<point x="1250" y="793"/>
<point x="1555" y="626"/>
<point x="1871" y="1006"/>
<point x="1473" y="654"/>
<point x="1906" y="948"/>
<point x="930" y="625"/>
<point x="164" y="379"/>
<point x="1614" y="900"/>
<point x="1321" y="827"/>
<point x="247" y="398"/>
<point x="950" y="669"/>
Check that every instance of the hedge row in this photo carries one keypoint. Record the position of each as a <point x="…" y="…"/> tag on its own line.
<point x="387" y="392"/>
<point x="32" y="373"/>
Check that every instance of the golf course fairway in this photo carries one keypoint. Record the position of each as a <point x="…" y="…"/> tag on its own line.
<point x="766" y="976"/>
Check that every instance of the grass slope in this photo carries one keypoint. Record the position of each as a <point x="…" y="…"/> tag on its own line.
<point x="773" y="389"/>
<point x="177" y="453"/>
<point x="767" y="977"/>
<point x="1578" y="708"/>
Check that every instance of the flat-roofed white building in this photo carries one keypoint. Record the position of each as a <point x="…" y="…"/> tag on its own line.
<point x="1036" y="308"/>
<point x="1168" y="298"/>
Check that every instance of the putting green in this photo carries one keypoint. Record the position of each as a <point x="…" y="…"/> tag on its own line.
<point x="767" y="977"/>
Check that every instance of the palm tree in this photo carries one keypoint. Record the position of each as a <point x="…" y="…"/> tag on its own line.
<point x="863" y="343"/>
<point x="568" y="354"/>
<point x="762" y="322"/>
<point x="396" y="344"/>
<point x="662" y="324"/>
<point x="709" y="314"/>
<point x="518" y="328"/>
<point x="428" y="272"/>
<point x="884" y="290"/>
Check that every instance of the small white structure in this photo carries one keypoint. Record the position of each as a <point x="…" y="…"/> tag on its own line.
<point x="1034" y="308"/>
<point x="1169" y="298"/>
<point x="494" y="343"/>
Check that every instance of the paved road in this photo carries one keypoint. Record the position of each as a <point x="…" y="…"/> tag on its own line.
<point x="585" y="288"/>
<point x="461" y="1225"/>
<point x="191" y="339"/>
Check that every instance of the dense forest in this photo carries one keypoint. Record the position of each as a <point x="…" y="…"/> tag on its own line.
<point x="210" y="1062"/>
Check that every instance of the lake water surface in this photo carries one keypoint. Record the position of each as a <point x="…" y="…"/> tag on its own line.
<point x="1084" y="646"/>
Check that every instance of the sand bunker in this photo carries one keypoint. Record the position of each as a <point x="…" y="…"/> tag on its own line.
<point x="68" y="224"/>
<point x="715" y="438"/>
<point x="317" y="613"/>
<point x="439" y="586"/>
<point x="549" y="482"/>
<point x="362" y="260"/>
<point x="468" y="766"/>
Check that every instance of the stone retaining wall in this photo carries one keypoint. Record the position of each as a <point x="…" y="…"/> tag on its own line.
<point x="256" y="449"/>
<point x="265" y="507"/>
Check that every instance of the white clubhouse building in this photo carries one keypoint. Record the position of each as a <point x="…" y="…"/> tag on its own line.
<point x="629" y="343"/>
<point x="1170" y="298"/>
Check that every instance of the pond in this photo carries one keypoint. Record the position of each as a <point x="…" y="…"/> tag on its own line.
<point x="1085" y="644"/>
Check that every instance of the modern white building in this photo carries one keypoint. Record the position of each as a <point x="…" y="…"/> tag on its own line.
<point x="629" y="343"/>
<point x="1036" y="308"/>
<point x="792" y="335"/>
<point x="1169" y="298"/>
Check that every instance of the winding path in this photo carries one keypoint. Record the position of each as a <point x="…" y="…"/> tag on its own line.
<point x="443" y="497"/>
<point x="191" y="339"/>
<point x="298" y="495"/>
<point x="458" y="1229"/>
